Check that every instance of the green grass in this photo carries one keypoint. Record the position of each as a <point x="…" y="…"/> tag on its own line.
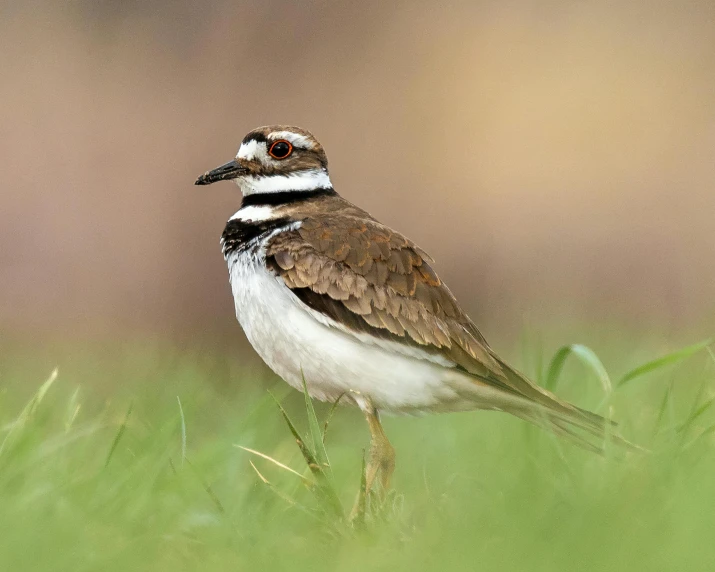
<point x="134" y="463"/>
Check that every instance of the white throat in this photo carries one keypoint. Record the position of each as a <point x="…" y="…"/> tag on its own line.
<point x="300" y="181"/>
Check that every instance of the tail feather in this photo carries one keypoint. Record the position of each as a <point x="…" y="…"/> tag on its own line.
<point x="589" y="435"/>
<point x="561" y="429"/>
<point x="532" y="403"/>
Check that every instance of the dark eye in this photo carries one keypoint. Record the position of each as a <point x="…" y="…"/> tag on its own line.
<point x="280" y="149"/>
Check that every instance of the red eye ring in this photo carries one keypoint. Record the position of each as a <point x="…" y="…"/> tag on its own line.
<point x="280" y="149"/>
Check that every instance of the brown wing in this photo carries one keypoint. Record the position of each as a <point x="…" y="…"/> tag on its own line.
<point x="373" y="279"/>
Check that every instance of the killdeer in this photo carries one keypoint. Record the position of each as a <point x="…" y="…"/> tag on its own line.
<point x="326" y="293"/>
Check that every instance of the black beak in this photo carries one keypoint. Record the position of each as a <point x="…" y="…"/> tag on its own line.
<point x="230" y="170"/>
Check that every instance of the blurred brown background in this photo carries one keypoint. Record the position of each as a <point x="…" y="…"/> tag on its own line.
<point x="557" y="158"/>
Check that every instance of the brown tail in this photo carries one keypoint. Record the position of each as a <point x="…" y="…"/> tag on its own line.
<point x="532" y="403"/>
<point x="583" y="428"/>
<point x="590" y="435"/>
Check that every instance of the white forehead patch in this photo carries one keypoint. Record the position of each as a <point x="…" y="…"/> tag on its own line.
<point x="252" y="150"/>
<point x="296" y="139"/>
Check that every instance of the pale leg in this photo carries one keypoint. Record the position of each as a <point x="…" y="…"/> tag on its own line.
<point x="381" y="458"/>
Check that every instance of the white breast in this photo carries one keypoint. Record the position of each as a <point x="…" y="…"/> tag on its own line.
<point x="296" y="341"/>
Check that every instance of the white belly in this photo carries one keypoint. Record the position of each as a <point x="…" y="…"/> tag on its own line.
<point x="296" y="341"/>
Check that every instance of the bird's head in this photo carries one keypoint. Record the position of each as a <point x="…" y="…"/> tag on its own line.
<point x="275" y="159"/>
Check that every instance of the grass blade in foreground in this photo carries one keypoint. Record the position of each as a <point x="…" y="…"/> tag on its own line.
<point x="183" y="431"/>
<point x="585" y="355"/>
<point x="118" y="436"/>
<point x="323" y="487"/>
<point x="28" y="411"/>
<point x="669" y="359"/>
<point x="316" y="435"/>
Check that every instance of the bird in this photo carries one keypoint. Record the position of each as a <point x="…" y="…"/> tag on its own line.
<point x="330" y="297"/>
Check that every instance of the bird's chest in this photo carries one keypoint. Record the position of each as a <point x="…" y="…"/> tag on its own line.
<point x="258" y="298"/>
<point x="273" y="323"/>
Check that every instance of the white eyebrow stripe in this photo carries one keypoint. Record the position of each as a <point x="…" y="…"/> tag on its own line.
<point x="249" y="150"/>
<point x="295" y="138"/>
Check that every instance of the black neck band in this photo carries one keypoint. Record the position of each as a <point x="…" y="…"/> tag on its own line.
<point x="285" y="197"/>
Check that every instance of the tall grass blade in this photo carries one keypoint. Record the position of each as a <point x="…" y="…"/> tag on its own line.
<point x="316" y="435"/>
<point x="329" y="418"/>
<point x="357" y="515"/>
<point x="308" y="455"/>
<point x="207" y="487"/>
<point x="587" y="356"/>
<point x="280" y="494"/>
<point x="275" y="462"/>
<point x="665" y="405"/>
<point x="669" y="359"/>
<point x="697" y="412"/>
<point x="118" y="436"/>
<point x="29" y="410"/>
<point x="183" y="431"/>
<point x="73" y="407"/>
<point x="556" y="365"/>
<point x="323" y="488"/>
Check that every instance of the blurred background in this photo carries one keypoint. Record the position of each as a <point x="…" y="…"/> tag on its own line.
<point x="556" y="158"/>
